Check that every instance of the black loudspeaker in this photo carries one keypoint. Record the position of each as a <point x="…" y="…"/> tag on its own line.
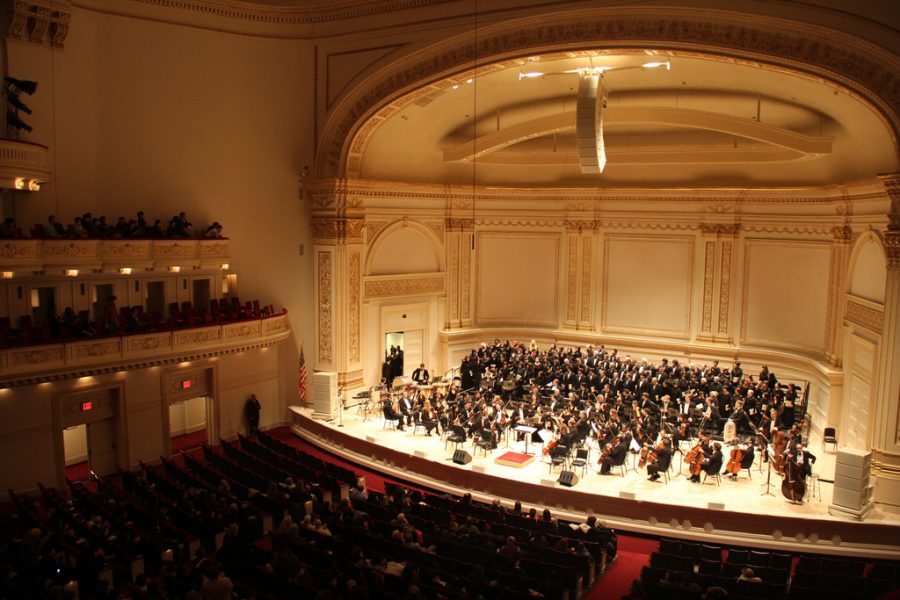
<point x="461" y="457"/>
<point x="568" y="478"/>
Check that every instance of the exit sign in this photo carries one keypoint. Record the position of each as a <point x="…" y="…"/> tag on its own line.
<point x="86" y="406"/>
<point x="185" y="384"/>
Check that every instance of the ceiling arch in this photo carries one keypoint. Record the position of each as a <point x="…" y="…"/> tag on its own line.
<point x="799" y="52"/>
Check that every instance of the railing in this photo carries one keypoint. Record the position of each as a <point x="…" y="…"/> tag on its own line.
<point x="30" y="364"/>
<point x="37" y="255"/>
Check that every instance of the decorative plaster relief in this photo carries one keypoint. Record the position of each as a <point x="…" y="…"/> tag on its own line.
<point x="571" y="287"/>
<point x="98" y="349"/>
<point x="353" y="305"/>
<point x="39" y="22"/>
<point x="36" y="357"/>
<point x="708" y="274"/>
<point x="866" y="316"/>
<point x="586" y="282"/>
<point x="724" y="287"/>
<point x="403" y="286"/>
<point x="325" y="308"/>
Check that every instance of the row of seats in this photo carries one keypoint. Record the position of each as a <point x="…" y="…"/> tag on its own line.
<point x="133" y="319"/>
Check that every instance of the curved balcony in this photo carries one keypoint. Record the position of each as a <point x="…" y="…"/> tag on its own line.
<point x="23" y="165"/>
<point x="25" y="365"/>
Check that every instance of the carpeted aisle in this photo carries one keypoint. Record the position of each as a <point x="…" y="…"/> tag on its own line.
<point x="634" y="553"/>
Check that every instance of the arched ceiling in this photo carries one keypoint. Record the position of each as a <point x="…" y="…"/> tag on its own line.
<point x="707" y="121"/>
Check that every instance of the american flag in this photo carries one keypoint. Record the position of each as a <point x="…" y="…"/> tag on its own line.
<point x="301" y="378"/>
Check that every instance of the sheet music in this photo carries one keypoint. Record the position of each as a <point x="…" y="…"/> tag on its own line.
<point x="526" y="429"/>
<point x="545" y="435"/>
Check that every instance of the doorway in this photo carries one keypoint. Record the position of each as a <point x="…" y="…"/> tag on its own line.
<point x="156" y="299"/>
<point x="100" y="297"/>
<point x="188" y="423"/>
<point x="90" y="449"/>
<point x="200" y="295"/>
<point x="393" y="356"/>
<point x="43" y="307"/>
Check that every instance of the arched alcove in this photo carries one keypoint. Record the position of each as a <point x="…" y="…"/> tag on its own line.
<point x="868" y="272"/>
<point x="403" y="249"/>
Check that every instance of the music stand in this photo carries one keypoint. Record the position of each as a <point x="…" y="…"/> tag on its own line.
<point x="527" y="430"/>
<point x="770" y="451"/>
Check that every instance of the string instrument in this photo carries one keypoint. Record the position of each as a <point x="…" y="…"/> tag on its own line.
<point x="550" y="446"/>
<point x="694" y="459"/>
<point x="779" y="441"/>
<point x="606" y="452"/>
<point x="734" y="461"/>
<point x="653" y="456"/>
<point x="793" y="487"/>
<point x="645" y="456"/>
<point x="683" y="431"/>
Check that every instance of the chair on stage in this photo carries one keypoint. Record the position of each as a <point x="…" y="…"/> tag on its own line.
<point x="457" y="436"/>
<point x="715" y="476"/>
<point x="829" y="436"/>
<point x="581" y="460"/>
<point x="559" y="456"/>
<point x="622" y="464"/>
<point x="390" y="418"/>
<point x="485" y="441"/>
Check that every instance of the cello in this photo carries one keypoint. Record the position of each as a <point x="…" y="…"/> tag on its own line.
<point x="694" y="459"/>
<point x="793" y="487"/>
<point x="734" y="461"/>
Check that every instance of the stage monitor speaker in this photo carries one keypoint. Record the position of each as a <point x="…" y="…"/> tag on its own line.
<point x="461" y="457"/>
<point x="568" y="478"/>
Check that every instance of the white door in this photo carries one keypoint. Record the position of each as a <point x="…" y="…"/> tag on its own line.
<point x="412" y="350"/>
<point x="102" y="446"/>
<point x="856" y="427"/>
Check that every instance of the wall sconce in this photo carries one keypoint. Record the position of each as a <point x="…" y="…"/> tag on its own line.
<point x="7" y="275"/>
<point x="175" y="269"/>
<point x="71" y="272"/>
<point x="225" y="266"/>
<point x="125" y="271"/>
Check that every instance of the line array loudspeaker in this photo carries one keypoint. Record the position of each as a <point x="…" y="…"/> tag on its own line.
<point x="461" y="457"/>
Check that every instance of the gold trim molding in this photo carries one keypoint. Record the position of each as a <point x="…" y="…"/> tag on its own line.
<point x="403" y="286"/>
<point x="867" y="316"/>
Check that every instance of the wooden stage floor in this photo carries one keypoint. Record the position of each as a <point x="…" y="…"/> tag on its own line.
<point x="631" y="502"/>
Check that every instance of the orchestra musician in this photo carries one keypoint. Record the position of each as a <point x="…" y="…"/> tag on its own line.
<point x="804" y="459"/>
<point x="391" y="413"/>
<point x="406" y="409"/>
<point x="660" y="458"/>
<point x="429" y="417"/>
<point x="616" y="455"/>
<point x="420" y="375"/>
<point x="712" y="464"/>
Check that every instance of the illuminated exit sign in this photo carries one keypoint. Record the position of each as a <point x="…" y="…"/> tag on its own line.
<point x="86" y="406"/>
<point x="185" y="384"/>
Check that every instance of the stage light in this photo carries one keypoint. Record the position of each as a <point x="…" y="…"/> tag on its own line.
<point x="13" y="88"/>
<point x="21" y="86"/>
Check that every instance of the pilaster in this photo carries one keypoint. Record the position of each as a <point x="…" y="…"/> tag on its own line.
<point x="718" y="248"/>
<point x="338" y="248"/>
<point x="460" y="262"/>
<point x="886" y="396"/>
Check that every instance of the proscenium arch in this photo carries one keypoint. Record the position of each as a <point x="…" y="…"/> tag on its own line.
<point x="862" y="68"/>
<point x="436" y="244"/>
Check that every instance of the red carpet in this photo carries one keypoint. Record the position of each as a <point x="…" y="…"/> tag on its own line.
<point x="634" y="553"/>
<point x="78" y="472"/>
<point x="188" y="441"/>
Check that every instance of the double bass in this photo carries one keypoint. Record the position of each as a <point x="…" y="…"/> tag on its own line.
<point x="793" y="487"/>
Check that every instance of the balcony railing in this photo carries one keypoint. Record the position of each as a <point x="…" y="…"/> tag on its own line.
<point x="22" y="365"/>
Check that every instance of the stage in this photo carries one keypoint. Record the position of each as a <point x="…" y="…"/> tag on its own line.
<point x="738" y="510"/>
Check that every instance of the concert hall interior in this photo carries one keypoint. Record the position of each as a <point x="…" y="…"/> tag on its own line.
<point x="624" y="228"/>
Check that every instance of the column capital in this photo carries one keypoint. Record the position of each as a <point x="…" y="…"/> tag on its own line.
<point x="892" y="248"/>
<point x="842" y="233"/>
<point x="720" y="228"/>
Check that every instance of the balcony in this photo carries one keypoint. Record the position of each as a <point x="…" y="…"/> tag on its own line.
<point x="25" y="365"/>
<point x="47" y="256"/>
<point x="23" y="165"/>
